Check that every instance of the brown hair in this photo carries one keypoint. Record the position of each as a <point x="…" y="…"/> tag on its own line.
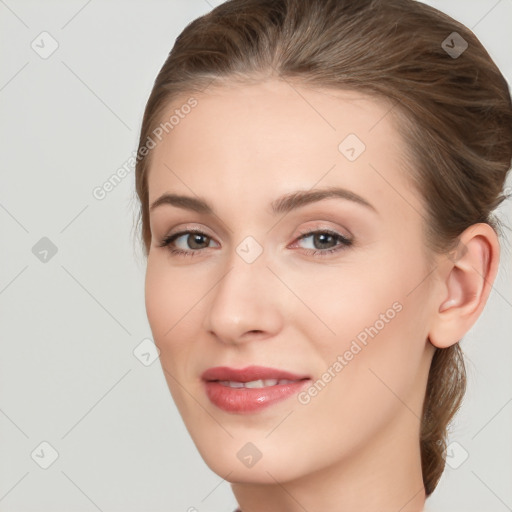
<point x="454" y="112"/>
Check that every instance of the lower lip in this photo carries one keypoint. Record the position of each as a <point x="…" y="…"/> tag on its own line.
<point x="240" y="400"/>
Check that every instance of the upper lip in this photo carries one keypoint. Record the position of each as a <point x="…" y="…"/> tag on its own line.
<point x="249" y="373"/>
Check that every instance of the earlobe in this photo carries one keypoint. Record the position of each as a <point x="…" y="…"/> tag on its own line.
<point x="466" y="281"/>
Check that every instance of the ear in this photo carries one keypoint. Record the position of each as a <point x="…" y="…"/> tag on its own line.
<point x="467" y="276"/>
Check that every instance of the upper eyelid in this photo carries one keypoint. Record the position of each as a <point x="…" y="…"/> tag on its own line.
<point x="205" y="231"/>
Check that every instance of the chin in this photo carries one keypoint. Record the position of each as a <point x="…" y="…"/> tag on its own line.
<point x="261" y="461"/>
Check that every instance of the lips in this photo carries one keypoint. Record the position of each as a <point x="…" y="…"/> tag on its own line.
<point x="248" y="374"/>
<point x="250" y="389"/>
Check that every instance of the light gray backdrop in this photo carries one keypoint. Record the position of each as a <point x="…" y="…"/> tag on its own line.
<point x="71" y="284"/>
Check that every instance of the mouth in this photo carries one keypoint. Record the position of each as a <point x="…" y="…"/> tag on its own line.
<point x="254" y="384"/>
<point x="250" y="389"/>
<point x="250" y="374"/>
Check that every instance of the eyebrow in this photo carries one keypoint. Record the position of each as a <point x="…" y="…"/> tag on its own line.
<point x="283" y="204"/>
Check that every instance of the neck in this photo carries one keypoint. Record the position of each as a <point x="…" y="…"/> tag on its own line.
<point x="383" y="476"/>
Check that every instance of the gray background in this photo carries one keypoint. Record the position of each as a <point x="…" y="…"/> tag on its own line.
<point x="70" y="324"/>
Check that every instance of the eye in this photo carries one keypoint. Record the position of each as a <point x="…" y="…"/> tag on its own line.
<point x="191" y="238"/>
<point x="321" y="238"/>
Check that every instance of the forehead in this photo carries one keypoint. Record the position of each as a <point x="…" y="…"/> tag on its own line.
<point x="257" y="141"/>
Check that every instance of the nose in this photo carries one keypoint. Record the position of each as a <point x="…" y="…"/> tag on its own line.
<point x="245" y="304"/>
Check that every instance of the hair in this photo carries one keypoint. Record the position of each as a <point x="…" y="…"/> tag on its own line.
<point x="453" y="111"/>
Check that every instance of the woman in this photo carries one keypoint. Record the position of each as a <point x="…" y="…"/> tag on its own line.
<point x="317" y="183"/>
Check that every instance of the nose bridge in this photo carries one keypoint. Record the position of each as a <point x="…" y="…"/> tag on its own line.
<point x="244" y="298"/>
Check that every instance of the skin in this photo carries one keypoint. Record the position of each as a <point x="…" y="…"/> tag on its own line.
<point x="354" y="446"/>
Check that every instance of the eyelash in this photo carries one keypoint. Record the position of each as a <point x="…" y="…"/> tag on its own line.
<point x="344" y="242"/>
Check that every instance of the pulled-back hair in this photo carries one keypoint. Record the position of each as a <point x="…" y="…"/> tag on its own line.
<point x="453" y="110"/>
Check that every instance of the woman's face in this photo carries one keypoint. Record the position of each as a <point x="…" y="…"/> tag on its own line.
<point x="349" y="322"/>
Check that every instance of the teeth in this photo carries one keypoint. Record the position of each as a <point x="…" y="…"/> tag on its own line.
<point x="255" y="383"/>
<point x="233" y="384"/>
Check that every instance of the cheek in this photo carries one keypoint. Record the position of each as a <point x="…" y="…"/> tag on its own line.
<point x="169" y="295"/>
<point x="378" y="322"/>
<point x="160" y="303"/>
<point x="347" y="301"/>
